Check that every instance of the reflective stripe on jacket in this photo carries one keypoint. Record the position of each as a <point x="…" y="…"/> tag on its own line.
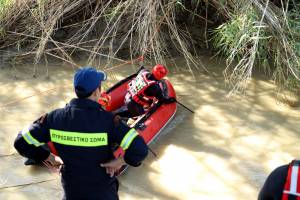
<point x="83" y="135"/>
<point x="292" y="185"/>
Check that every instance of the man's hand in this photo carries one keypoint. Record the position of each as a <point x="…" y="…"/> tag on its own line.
<point x="113" y="166"/>
<point x="53" y="163"/>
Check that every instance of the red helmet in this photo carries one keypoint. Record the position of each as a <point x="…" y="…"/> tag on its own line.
<point x="159" y="71"/>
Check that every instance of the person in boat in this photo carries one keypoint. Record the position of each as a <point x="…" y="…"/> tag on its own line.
<point x="144" y="90"/>
<point x="283" y="183"/>
<point x="82" y="134"/>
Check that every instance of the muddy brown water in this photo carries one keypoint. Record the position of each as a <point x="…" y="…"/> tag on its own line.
<point x="223" y="151"/>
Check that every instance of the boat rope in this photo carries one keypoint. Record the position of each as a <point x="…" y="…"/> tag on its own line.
<point x="7" y="155"/>
<point x="24" y="98"/>
<point x="27" y="184"/>
<point x="141" y="58"/>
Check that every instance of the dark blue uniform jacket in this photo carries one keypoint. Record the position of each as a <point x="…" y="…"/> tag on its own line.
<point x="83" y="134"/>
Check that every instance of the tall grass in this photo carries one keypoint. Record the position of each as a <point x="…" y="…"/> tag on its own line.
<point x="251" y="33"/>
<point x="100" y="28"/>
<point x="260" y="34"/>
<point x="293" y="20"/>
<point x="4" y="5"/>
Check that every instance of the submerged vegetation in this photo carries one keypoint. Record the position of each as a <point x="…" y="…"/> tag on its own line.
<point x="256" y="33"/>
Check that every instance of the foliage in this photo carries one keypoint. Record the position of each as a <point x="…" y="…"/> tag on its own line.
<point x="256" y="33"/>
<point x="294" y="27"/>
<point x="132" y="25"/>
<point x="239" y="34"/>
<point x="262" y="35"/>
<point x="4" y="4"/>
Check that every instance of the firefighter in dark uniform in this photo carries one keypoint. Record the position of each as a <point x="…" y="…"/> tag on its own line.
<point x="83" y="134"/>
<point x="143" y="90"/>
<point x="283" y="183"/>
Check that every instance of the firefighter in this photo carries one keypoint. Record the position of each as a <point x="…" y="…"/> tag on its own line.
<point x="283" y="183"/>
<point x="143" y="90"/>
<point x="83" y="134"/>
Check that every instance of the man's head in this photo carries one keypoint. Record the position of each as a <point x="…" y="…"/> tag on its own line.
<point x="87" y="82"/>
<point x="159" y="71"/>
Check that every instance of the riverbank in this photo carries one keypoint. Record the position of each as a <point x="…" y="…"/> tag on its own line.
<point x="251" y="34"/>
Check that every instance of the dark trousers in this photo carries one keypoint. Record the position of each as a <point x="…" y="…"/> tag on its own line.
<point x="133" y="110"/>
<point x="79" y="190"/>
<point x="274" y="185"/>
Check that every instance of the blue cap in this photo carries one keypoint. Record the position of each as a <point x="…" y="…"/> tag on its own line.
<point x="88" y="79"/>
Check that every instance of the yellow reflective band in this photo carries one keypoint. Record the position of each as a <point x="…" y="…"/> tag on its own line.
<point x="78" y="139"/>
<point x="29" y="139"/>
<point x="130" y="135"/>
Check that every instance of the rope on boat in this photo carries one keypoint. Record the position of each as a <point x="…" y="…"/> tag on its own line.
<point x="27" y="184"/>
<point x="141" y="58"/>
<point x="7" y="155"/>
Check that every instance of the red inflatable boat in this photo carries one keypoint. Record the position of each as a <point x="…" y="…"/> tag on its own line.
<point x="155" y="119"/>
<point x="150" y="124"/>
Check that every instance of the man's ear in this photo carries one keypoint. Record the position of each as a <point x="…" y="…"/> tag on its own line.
<point x="99" y="90"/>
